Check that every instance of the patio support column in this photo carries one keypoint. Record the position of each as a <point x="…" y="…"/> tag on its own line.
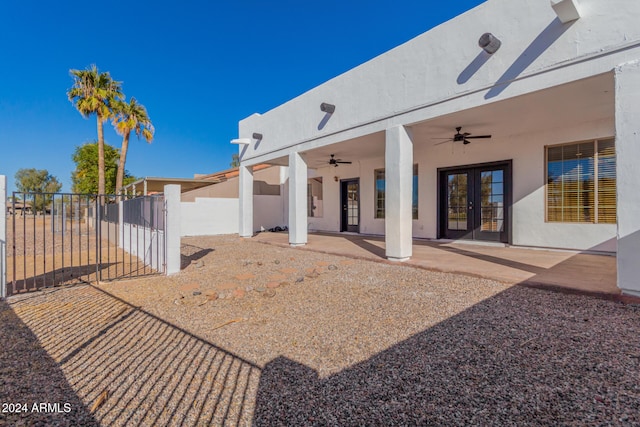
<point x="627" y="122"/>
<point x="297" y="200"/>
<point x="246" y="201"/>
<point x="398" y="160"/>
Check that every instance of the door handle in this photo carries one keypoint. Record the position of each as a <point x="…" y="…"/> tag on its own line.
<point x="470" y="206"/>
<point x="344" y="207"/>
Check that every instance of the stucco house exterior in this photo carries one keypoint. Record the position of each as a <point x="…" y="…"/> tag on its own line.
<point x="556" y="86"/>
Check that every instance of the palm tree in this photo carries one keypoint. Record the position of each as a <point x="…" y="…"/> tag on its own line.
<point x="94" y="92"/>
<point x="130" y="117"/>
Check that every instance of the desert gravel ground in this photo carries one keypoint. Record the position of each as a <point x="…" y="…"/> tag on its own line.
<point x="250" y="333"/>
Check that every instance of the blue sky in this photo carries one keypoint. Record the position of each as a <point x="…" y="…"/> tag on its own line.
<point x="198" y="66"/>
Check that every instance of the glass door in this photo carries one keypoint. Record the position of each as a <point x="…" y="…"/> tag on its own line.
<point x="350" y="197"/>
<point x="474" y="202"/>
<point x="458" y="222"/>
<point x="490" y="215"/>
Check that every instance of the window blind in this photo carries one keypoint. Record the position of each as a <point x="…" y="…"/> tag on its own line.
<point x="573" y="172"/>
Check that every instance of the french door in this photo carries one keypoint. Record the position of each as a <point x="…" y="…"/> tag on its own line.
<point x="475" y="202"/>
<point x="350" y="197"/>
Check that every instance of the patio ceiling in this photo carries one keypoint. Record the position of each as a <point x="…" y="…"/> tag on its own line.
<point x="571" y="104"/>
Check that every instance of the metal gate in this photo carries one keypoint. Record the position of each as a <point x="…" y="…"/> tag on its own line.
<point x="65" y="238"/>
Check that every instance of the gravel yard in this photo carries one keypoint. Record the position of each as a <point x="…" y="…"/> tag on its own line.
<point x="250" y="333"/>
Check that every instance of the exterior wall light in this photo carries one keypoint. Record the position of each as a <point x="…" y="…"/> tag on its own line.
<point x="567" y="10"/>
<point x="257" y="136"/>
<point x="241" y="141"/>
<point x="489" y="43"/>
<point x="327" y="108"/>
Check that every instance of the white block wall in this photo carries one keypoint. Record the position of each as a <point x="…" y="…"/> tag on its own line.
<point x="141" y="242"/>
<point x="215" y="216"/>
<point x="269" y="212"/>
<point x="209" y="216"/>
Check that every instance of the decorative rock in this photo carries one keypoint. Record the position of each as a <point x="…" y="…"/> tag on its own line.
<point x="239" y="293"/>
<point x="332" y="267"/>
<point x="200" y="263"/>
<point x="248" y="288"/>
<point x="270" y="293"/>
<point x="284" y="283"/>
<point x="300" y="279"/>
<point x="259" y="262"/>
<point x="273" y="285"/>
<point x="312" y="274"/>
<point x="196" y="293"/>
<point x="276" y="262"/>
<point x="212" y="296"/>
<point x="260" y="289"/>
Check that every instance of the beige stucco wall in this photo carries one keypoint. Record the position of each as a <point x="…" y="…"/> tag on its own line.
<point x="266" y="182"/>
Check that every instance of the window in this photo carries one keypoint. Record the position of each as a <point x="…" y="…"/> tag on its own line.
<point x="314" y="197"/>
<point x="581" y="182"/>
<point x="380" y="193"/>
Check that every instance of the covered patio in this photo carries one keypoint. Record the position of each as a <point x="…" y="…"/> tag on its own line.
<point x="532" y="146"/>
<point x="561" y="269"/>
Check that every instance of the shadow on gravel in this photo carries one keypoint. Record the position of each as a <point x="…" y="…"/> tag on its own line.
<point x="81" y="274"/>
<point x="523" y="357"/>
<point x="191" y="253"/>
<point x="146" y="371"/>
<point x="52" y="278"/>
<point x="28" y="375"/>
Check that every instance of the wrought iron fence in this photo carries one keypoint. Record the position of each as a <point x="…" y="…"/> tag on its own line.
<point x="62" y="238"/>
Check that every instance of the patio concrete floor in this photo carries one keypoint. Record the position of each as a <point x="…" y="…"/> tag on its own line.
<point x="569" y="270"/>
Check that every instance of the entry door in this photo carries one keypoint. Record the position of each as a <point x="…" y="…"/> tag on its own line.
<point x="475" y="202"/>
<point x="350" y="198"/>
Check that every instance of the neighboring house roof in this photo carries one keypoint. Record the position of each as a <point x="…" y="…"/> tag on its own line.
<point x="149" y="185"/>
<point x="229" y="173"/>
<point x="156" y="184"/>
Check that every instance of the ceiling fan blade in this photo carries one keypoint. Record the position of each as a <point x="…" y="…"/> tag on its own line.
<point x="466" y="134"/>
<point x="479" y="136"/>
<point x="443" y="142"/>
<point x="443" y="138"/>
<point x="346" y="163"/>
<point x="466" y="141"/>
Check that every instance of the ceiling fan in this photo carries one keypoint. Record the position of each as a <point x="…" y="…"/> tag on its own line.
<point x="335" y="162"/>
<point x="464" y="137"/>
